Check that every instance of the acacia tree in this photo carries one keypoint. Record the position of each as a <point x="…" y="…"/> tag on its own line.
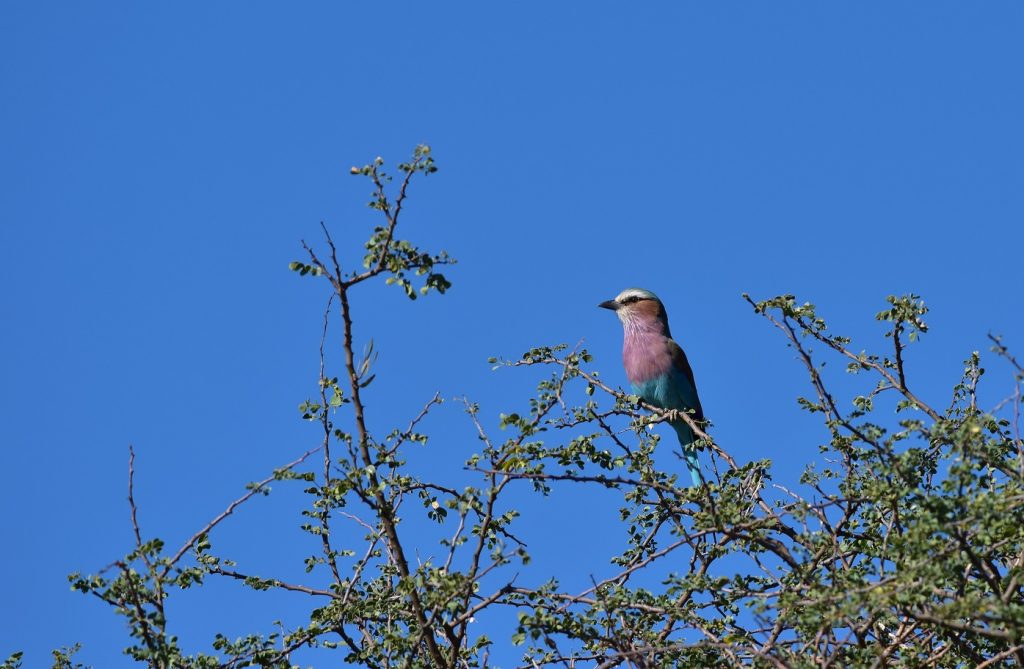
<point x="907" y="549"/>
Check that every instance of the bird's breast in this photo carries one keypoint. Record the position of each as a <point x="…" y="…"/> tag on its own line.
<point x="646" y="358"/>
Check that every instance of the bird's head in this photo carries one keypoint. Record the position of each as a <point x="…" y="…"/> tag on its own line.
<point x="638" y="307"/>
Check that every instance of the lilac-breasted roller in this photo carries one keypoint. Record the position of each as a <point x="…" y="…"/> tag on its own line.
<point x="656" y="366"/>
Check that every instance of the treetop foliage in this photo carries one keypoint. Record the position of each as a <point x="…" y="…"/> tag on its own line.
<point x="905" y="548"/>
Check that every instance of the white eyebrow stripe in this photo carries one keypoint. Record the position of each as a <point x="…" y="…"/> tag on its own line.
<point x="634" y="292"/>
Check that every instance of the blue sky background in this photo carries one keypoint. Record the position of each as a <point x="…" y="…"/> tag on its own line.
<point x="160" y="163"/>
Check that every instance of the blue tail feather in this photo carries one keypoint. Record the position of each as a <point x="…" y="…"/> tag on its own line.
<point x="686" y="440"/>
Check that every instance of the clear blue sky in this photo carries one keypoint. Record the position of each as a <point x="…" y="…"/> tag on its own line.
<point x="160" y="162"/>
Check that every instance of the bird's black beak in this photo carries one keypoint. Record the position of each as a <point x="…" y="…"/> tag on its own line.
<point x="610" y="304"/>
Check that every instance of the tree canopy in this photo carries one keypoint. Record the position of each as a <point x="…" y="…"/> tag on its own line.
<point x="906" y="548"/>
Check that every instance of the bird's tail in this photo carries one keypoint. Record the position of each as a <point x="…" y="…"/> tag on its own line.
<point x="688" y="441"/>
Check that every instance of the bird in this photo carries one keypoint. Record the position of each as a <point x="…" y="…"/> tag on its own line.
<point x="656" y="365"/>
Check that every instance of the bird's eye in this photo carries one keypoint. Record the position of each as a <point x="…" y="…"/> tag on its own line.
<point x="631" y="299"/>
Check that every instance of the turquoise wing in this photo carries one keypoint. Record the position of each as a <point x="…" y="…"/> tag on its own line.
<point x="683" y="385"/>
